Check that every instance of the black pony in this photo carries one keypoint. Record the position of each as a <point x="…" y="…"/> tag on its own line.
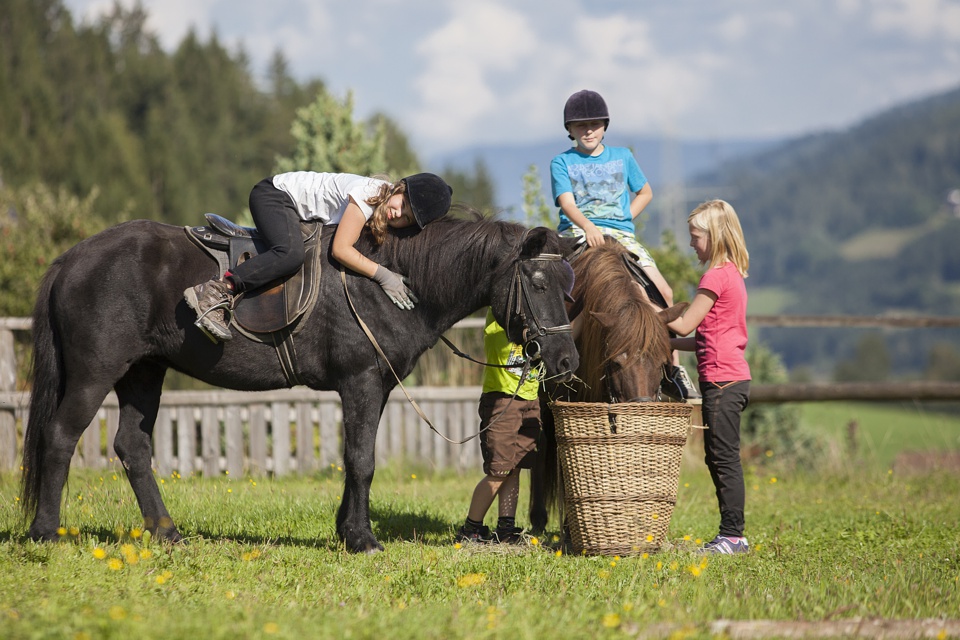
<point x="110" y="315"/>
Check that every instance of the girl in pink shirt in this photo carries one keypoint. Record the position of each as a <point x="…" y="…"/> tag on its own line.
<point x="718" y="314"/>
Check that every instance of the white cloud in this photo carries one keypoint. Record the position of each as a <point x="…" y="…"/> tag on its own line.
<point x="456" y="74"/>
<point x="918" y="19"/>
<point x="460" y="61"/>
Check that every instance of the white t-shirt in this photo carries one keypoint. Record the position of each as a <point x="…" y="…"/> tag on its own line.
<point x="325" y="196"/>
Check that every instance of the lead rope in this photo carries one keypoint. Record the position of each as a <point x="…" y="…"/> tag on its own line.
<point x="376" y="345"/>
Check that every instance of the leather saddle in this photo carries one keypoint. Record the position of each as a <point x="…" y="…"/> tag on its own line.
<point x="277" y="305"/>
<point x="643" y="280"/>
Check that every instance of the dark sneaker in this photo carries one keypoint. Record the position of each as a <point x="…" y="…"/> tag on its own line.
<point x="677" y="384"/>
<point x="727" y="545"/>
<point x="479" y="536"/>
<point x="213" y="302"/>
<point x="513" y="535"/>
<point x="682" y="379"/>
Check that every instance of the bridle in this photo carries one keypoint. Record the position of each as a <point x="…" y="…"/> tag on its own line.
<point x="533" y="328"/>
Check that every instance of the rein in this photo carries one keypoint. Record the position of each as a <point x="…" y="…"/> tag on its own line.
<point x="531" y="348"/>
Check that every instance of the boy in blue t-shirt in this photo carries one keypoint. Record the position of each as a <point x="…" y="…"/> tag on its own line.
<point x="600" y="191"/>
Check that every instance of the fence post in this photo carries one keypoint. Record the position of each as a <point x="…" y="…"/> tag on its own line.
<point x="8" y="416"/>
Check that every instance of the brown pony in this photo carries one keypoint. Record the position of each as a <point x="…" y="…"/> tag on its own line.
<point x="623" y="344"/>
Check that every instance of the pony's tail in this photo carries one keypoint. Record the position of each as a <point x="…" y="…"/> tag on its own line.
<point x="46" y="392"/>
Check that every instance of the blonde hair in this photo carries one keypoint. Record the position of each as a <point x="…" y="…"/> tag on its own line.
<point x="378" y="220"/>
<point x="718" y="219"/>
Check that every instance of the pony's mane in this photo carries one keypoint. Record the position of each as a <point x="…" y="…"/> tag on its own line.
<point x="454" y="250"/>
<point x="606" y="286"/>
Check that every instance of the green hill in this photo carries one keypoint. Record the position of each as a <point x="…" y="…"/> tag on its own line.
<point x="857" y="222"/>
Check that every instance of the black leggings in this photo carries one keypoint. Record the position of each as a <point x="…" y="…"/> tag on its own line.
<point x="723" y="403"/>
<point x="278" y="221"/>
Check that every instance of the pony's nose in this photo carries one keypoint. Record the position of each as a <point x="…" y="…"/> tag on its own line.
<point x="567" y="369"/>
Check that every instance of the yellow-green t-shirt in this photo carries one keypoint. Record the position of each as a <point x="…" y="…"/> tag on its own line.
<point x="500" y="350"/>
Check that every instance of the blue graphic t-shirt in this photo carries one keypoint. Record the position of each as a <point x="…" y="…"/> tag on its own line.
<point x="602" y="186"/>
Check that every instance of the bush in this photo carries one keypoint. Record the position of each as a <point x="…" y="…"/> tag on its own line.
<point x="37" y="224"/>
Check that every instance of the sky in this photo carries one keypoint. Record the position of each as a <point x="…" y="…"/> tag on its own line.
<point x="461" y="73"/>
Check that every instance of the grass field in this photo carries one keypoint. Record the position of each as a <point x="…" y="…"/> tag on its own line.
<point x="263" y="561"/>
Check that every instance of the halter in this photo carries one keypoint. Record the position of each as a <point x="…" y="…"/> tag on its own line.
<point x="532" y="327"/>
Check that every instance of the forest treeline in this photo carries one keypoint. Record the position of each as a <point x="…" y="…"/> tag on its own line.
<point x="98" y="124"/>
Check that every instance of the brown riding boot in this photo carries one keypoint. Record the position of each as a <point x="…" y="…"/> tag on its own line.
<point x="213" y="302"/>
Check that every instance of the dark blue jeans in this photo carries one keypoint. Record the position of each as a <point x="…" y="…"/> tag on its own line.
<point x="723" y="403"/>
<point x="278" y="222"/>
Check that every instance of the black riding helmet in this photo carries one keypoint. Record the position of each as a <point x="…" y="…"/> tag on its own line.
<point x="429" y="197"/>
<point x="583" y="106"/>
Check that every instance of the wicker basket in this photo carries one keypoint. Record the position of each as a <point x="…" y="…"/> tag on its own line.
<point x="620" y="465"/>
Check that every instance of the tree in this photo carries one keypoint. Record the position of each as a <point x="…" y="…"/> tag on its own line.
<point x="678" y="267"/>
<point x="870" y="363"/>
<point x="37" y="224"/>
<point x="536" y="213"/>
<point x="401" y="159"/>
<point x="474" y="190"/>
<point x="327" y="139"/>
<point x="943" y="362"/>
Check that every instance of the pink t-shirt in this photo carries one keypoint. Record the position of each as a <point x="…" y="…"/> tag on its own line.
<point x="722" y="335"/>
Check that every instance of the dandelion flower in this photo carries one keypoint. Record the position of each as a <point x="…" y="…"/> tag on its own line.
<point x="99" y="553"/>
<point x="115" y="564"/>
<point x="271" y="628"/>
<point x="117" y="613"/>
<point x="61" y="531"/>
<point x="471" y="580"/>
<point x="559" y="553"/>
<point x="611" y="620"/>
<point x="534" y="541"/>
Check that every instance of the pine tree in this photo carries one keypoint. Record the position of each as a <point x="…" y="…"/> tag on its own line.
<point x="328" y="139"/>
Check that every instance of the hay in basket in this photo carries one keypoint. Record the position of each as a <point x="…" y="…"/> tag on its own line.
<point x="620" y="465"/>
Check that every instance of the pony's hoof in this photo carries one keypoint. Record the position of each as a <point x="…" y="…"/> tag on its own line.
<point x="165" y="530"/>
<point x="48" y="536"/>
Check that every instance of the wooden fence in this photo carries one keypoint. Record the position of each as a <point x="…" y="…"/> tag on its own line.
<point x="299" y="430"/>
<point x="277" y="432"/>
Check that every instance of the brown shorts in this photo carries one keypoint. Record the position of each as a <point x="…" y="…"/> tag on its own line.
<point x="509" y="442"/>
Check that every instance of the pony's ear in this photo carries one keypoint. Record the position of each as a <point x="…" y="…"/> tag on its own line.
<point x="607" y="320"/>
<point x="672" y="313"/>
<point x="568" y="246"/>
<point x="534" y="241"/>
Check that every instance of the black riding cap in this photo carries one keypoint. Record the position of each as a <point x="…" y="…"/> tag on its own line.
<point x="584" y="106"/>
<point x="429" y="197"/>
